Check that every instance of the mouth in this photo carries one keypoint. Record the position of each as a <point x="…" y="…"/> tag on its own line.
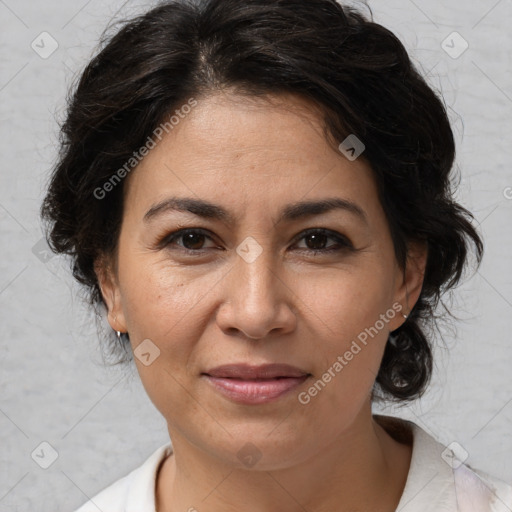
<point x="252" y="385"/>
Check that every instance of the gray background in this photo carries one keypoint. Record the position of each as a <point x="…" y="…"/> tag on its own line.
<point x="53" y="387"/>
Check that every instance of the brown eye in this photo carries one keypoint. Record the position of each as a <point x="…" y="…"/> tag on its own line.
<point x="317" y="240"/>
<point x="192" y="240"/>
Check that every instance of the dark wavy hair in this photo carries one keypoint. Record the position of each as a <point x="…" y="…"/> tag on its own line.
<point x="355" y="70"/>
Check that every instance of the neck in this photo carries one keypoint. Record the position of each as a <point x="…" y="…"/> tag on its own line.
<point x="363" y="469"/>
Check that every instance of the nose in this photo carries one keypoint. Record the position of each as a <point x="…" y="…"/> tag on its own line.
<point x="256" y="299"/>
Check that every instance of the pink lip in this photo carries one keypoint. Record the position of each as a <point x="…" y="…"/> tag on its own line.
<point x="248" y="384"/>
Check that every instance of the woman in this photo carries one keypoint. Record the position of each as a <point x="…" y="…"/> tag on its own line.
<point x="259" y="195"/>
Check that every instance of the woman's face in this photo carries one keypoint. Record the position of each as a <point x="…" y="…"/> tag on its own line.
<point x="246" y="287"/>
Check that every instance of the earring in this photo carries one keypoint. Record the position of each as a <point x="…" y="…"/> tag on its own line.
<point x="118" y="333"/>
<point x="405" y="316"/>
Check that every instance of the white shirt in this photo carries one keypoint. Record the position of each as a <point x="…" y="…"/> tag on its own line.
<point x="436" y="482"/>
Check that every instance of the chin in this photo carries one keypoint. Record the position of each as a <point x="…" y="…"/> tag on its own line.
<point x="267" y="446"/>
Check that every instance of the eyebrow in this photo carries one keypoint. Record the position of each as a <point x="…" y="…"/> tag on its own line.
<point x="294" y="211"/>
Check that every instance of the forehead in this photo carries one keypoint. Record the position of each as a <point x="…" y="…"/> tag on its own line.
<point x="233" y="147"/>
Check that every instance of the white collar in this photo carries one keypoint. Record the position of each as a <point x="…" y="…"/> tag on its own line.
<point x="430" y="482"/>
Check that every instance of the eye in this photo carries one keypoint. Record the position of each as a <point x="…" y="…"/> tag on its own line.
<point x="193" y="239"/>
<point x="317" y="238"/>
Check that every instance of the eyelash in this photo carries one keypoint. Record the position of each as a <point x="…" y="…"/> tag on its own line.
<point x="343" y="244"/>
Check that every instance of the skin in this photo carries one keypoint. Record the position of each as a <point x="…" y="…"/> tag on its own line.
<point x="289" y="305"/>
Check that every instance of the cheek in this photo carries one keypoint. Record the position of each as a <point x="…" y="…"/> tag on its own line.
<point x="345" y="301"/>
<point x="352" y="312"/>
<point x="164" y="306"/>
<point x="157" y="296"/>
<point x="171" y="306"/>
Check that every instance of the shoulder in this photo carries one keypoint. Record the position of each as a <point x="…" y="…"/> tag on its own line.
<point x="112" y="498"/>
<point x="476" y="490"/>
<point x="439" y="481"/>
<point x="133" y="491"/>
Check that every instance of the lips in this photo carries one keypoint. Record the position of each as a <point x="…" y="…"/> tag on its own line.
<point x="248" y="372"/>
<point x="253" y="385"/>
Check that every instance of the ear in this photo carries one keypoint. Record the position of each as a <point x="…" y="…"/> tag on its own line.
<point x="410" y="282"/>
<point x="110" y="292"/>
